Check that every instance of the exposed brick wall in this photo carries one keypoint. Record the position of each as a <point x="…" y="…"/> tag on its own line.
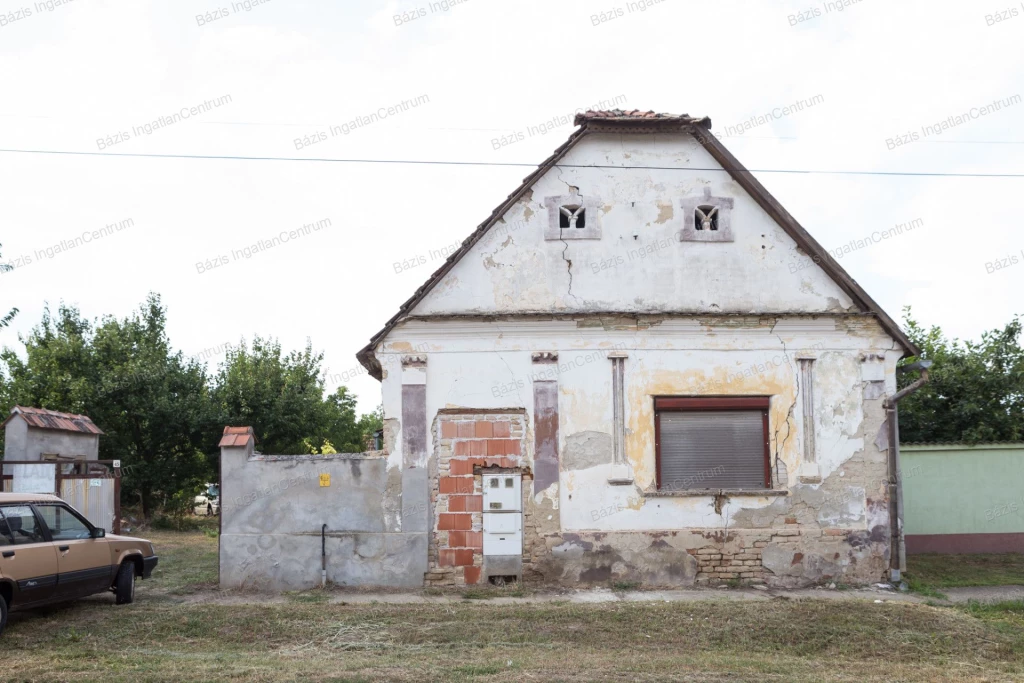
<point x="466" y="443"/>
<point x="719" y="564"/>
<point x="740" y="559"/>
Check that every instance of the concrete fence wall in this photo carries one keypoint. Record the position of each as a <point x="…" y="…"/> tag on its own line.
<point x="963" y="499"/>
<point x="274" y="507"/>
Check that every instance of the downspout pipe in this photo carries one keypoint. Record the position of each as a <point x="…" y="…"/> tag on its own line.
<point x="323" y="556"/>
<point x="897" y="552"/>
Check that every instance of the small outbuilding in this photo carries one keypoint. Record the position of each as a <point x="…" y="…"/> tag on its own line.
<point x="47" y="435"/>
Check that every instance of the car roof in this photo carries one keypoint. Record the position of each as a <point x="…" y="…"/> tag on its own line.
<point x="7" y="498"/>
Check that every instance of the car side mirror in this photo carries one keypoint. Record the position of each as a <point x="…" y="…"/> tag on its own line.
<point x="99" y="533"/>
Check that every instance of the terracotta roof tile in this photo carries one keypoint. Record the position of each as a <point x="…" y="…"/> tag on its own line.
<point x="41" y="418"/>
<point x="636" y="114"/>
<point x="236" y="436"/>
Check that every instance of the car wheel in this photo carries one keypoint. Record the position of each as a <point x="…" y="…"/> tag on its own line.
<point x="3" y="614"/>
<point x="124" y="586"/>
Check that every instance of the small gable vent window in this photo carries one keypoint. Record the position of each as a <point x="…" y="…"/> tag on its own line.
<point x="706" y="218"/>
<point x="572" y="216"/>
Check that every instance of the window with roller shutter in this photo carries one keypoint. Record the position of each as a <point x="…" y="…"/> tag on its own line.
<point x="712" y="443"/>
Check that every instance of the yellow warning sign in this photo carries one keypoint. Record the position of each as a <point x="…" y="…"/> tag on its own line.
<point x="325" y="479"/>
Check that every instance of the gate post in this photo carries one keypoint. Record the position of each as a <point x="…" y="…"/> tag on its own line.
<point x="117" y="497"/>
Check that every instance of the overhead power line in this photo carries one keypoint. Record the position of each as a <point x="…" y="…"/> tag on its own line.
<point x="423" y="162"/>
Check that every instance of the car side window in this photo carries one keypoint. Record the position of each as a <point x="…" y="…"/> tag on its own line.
<point x="64" y="525"/>
<point x="22" y="525"/>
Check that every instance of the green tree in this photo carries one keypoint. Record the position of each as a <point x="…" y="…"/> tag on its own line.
<point x="976" y="389"/>
<point x="342" y="428"/>
<point x="369" y="424"/>
<point x="162" y="412"/>
<point x="59" y="370"/>
<point x="6" y="320"/>
<point x="153" y="404"/>
<point x="280" y="396"/>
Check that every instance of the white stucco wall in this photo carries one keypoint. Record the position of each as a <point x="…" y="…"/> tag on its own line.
<point x="638" y="265"/>
<point x="481" y="366"/>
<point x="695" y="319"/>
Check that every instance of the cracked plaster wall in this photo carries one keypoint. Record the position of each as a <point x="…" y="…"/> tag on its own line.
<point x="840" y="523"/>
<point x="695" y="319"/>
<point x="638" y="264"/>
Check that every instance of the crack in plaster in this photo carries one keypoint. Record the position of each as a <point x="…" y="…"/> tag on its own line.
<point x="789" y="414"/>
<point x="568" y="263"/>
<point x="573" y="190"/>
<point x="512" y="375"/>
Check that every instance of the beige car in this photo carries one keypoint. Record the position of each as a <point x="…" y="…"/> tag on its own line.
<point x="51" y="553"/>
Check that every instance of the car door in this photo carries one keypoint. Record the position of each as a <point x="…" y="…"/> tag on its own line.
<point x="83" y="562"/>
<point x="26" y="555"/>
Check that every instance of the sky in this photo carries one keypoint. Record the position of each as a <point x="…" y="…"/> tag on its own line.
<point x="281" y="82"/>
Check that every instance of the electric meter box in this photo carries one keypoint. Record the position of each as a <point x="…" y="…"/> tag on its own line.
<point x="503" y="493"/>
<point x="503" y="534"/>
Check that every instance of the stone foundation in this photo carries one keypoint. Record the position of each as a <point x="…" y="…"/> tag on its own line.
<point x="785" y="558"/>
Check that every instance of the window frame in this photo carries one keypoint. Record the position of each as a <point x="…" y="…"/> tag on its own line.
<point x="688" y="404"/>
<point x="44" y="530"/>
<point x="589" y="205"/>
<point x="37" y="507"/>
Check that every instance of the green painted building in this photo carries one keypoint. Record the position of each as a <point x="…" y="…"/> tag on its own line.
<point x="963" y="499"/>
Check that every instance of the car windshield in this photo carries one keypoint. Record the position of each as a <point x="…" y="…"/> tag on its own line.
<point x="213" y="491"/>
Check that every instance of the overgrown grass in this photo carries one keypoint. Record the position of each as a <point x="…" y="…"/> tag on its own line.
<point x="625" y="585"/>
<point x="806" y="640"/>
<point x="315" y="596"/>
<point x="184" y="523"/>
<point x="921" y="588"/>
<point x="188" y="561"/>
<point x="170" y="635"/>
<point x="954" y="571"/>
<point x="514" y="590"/>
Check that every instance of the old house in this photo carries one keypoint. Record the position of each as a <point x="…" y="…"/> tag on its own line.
<point x="640" y="367"/>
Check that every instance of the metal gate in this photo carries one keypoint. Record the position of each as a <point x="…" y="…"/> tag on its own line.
<point x="93" y="487"/>
<point x="93" y="497"/>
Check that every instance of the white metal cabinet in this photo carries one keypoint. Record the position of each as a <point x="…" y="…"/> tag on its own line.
<point x="503" y="514"/>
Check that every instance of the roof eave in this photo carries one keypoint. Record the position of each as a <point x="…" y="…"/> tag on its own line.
<point x="366" y="356"/>
<point x="699" y="128"/>
<point x="819" y="254"/>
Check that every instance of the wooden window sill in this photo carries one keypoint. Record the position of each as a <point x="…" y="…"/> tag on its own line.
<point x="694" y="493"/>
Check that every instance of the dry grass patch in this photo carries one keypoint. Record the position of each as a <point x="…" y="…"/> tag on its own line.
<point x="171" y="634"/>
<point x="778" y="640"/>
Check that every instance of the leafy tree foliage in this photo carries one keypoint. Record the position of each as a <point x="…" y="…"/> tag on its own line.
<point x="282" y="397"/>
<point x="162" y="413"/>
<point x="976" y="389"/>
<point x="279" y="395"/>
<point x="6" y="320"/>
<point x="152" y="404"/>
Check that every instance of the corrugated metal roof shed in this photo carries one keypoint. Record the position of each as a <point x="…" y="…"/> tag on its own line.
<point x="41" y="418"/>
